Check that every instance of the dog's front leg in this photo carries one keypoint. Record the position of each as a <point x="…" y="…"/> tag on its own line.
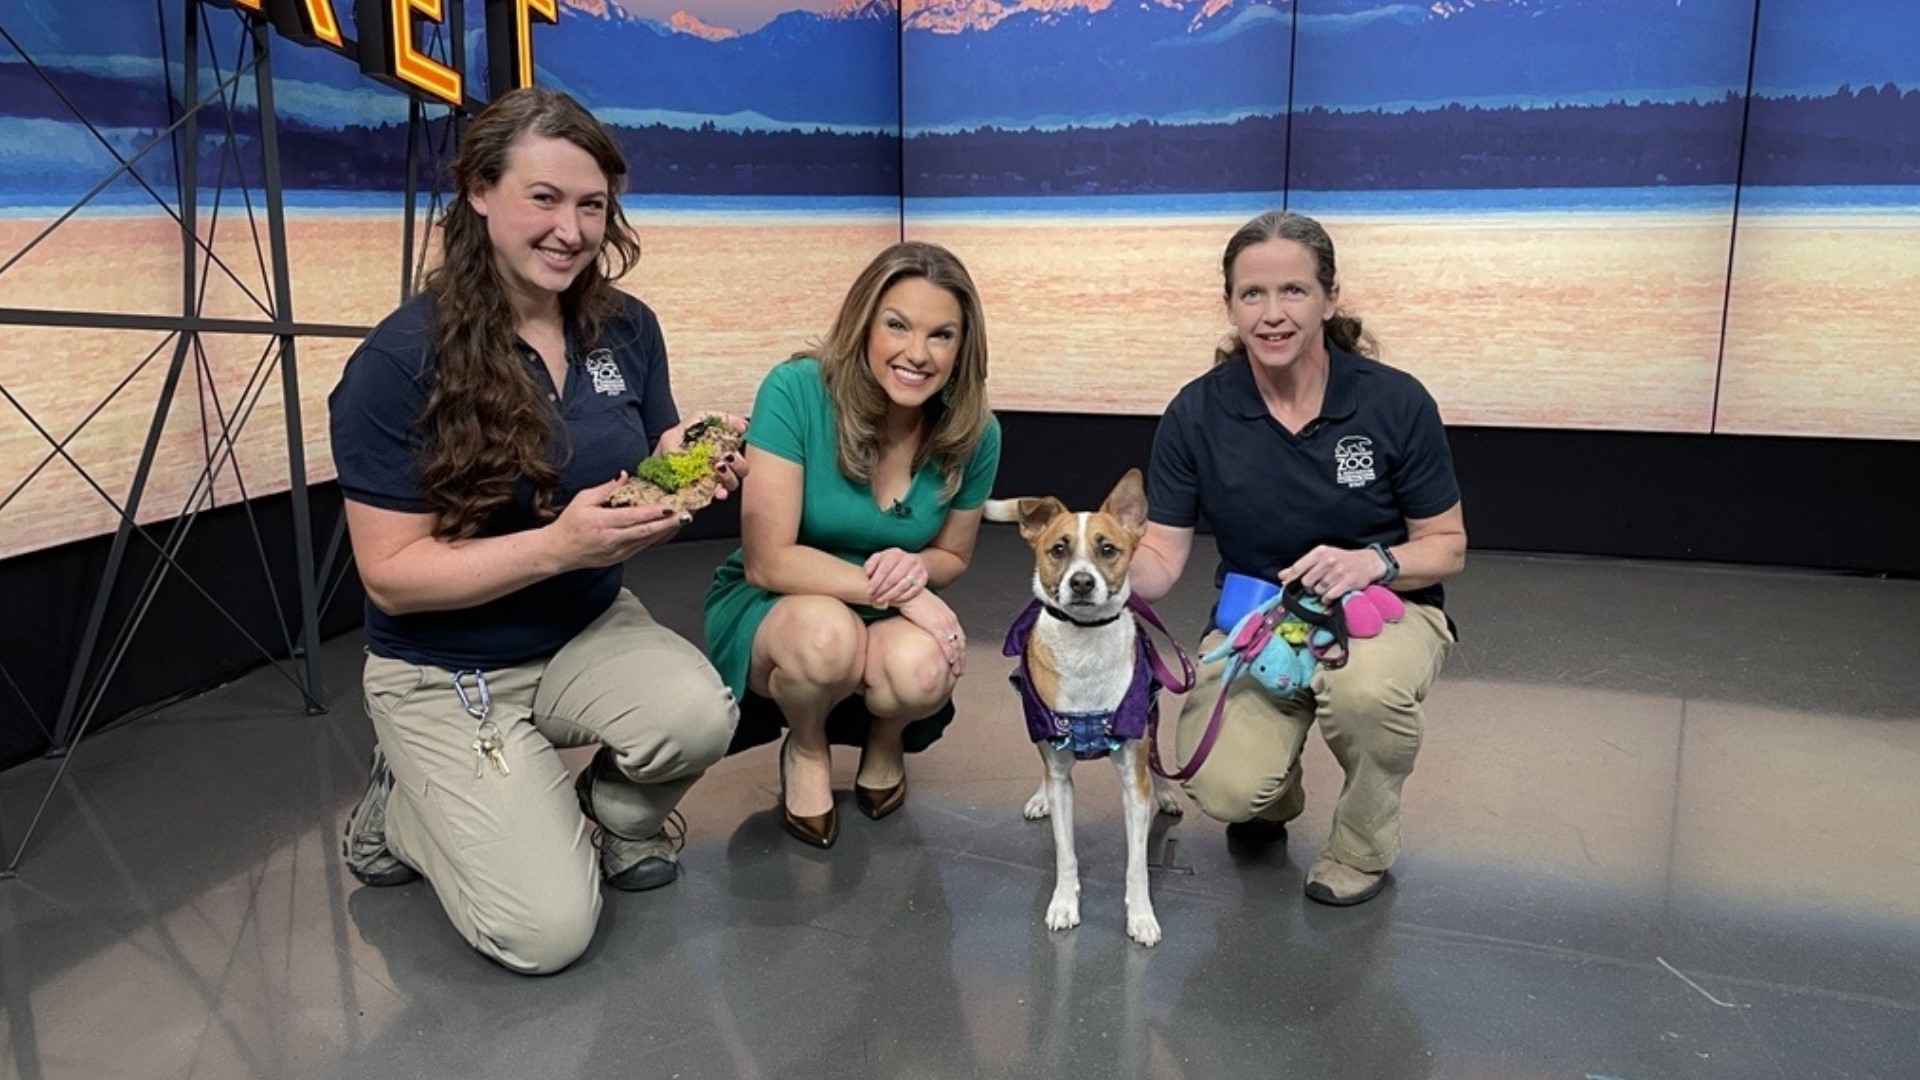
<point x="1036" y="807"/>
<point x="1137" y="799"/>
<point x="1064" y="912"/>
<point x="1167" y="797"/>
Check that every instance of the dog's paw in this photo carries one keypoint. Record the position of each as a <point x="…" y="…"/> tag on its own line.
<point x="1166" y="799"/>
<point x="1037" y="807"/>
<point x="1064" y="912"/>
<point x="1144" y="928"/>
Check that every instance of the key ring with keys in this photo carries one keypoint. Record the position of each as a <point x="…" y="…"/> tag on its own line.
<point x="488" y="744"/>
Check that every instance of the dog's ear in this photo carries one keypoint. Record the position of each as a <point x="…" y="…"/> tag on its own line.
<point x="1035" y="514"/>
<point x="1127" y="503"/>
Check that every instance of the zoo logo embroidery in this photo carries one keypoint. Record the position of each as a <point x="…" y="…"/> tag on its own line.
<point x="1353" y="461"/>
<point x="606" y="374"/>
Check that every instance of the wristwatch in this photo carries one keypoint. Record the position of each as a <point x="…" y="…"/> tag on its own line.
<point x="1393" y="564"/>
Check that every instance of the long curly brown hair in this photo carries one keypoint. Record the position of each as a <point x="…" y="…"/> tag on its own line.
<point x="956" y="417"/>
<point x="1344" y="329"/>
<point x="485" y="425"/>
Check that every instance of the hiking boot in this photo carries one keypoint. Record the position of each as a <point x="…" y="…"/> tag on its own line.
<point x="365" y="844"/>
<point x="639" y="865"/>
<point x="631" y="865"/>
<point x="1341" y="885"/>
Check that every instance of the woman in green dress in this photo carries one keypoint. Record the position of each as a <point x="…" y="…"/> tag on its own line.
<point x="871" y="457"/>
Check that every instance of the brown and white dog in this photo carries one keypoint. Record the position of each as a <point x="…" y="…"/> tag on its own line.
<point x="1079" y="649"/>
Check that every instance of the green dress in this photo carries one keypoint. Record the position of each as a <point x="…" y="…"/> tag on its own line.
<point x="793" y="418"/>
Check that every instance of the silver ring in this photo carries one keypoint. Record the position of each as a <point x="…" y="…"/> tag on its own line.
<point x="953" y="637"/>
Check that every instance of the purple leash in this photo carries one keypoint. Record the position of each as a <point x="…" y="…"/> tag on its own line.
<point x="1207" y="737"/>
<point x="1242" y="658"/>
<point x="1161" y="673"/>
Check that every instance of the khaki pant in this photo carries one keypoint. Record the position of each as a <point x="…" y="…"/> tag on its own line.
<point x="506" y="854"/>
<point x="1369" y="713"/>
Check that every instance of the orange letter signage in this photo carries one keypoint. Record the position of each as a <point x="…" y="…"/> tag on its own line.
<point x="391" y="39"/>
<point x="306" y="22"/>
<point x="510" y="41"/>
<point x="390" y="53"/>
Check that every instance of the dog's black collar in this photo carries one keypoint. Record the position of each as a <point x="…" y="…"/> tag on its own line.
<point x="1064" y="617"/>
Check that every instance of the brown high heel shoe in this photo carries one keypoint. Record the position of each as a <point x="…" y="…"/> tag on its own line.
<point x="877" y="803"/>
<point x="814" y="830"/>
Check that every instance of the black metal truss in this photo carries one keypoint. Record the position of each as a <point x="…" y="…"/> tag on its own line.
<point x="317" y="583"/>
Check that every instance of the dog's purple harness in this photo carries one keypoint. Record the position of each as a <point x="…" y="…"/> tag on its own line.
<point x="1096" y="734"/>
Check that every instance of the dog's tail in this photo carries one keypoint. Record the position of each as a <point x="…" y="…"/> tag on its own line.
<point x="1006" y="511"/>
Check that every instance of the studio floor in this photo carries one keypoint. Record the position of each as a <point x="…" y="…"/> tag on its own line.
<point x="1663" y="826"/>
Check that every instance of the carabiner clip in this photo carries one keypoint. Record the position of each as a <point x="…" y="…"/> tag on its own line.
<point x="481" y="703"/>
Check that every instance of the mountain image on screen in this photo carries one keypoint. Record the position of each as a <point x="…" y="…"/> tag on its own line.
<point x="1081" y="96"/>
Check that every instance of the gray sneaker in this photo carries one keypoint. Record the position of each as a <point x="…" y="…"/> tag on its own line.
<point x="365" y="844"/>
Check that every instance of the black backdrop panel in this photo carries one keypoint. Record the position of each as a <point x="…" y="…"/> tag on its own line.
<point x="183" y="644"/>
<point x="1820" y="503"/>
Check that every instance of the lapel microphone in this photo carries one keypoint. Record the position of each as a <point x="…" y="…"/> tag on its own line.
<point x="900" y="509"/>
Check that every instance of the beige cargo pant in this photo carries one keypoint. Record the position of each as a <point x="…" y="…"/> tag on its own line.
<point x="1369" y="713"/>
<point x="507" y="854"/>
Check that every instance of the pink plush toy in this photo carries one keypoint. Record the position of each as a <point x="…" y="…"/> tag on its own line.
<point x="1371" y="608"/>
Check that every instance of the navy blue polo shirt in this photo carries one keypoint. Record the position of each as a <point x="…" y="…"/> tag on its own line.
<point x="1376" y="456"/>
<point x="616" y="403"/>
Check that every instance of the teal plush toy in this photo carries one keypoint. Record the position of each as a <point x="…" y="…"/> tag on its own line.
<point x="1286" y="668"/>
<point x="1285" y="639"/>
<point x="1275" y="644"/>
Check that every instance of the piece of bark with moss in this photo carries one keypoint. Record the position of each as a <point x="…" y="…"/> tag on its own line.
<point x="685" y="478"/>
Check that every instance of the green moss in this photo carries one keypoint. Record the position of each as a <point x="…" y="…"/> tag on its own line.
<point x="676" y="469"/>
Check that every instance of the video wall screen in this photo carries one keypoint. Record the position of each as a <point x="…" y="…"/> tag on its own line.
<point x="1603" y="214"/>
<point x="1823" y="333"/>
<point x="1542" y="238"/>
<point x="764" y="142"/>
<point x="1087" y="162"/>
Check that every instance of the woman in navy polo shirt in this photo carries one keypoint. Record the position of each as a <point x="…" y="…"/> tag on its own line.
<point x="1313" y="463"/>
<point x="478" y="432"/>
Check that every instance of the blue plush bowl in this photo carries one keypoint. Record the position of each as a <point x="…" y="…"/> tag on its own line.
<point x="1240" y="594"/>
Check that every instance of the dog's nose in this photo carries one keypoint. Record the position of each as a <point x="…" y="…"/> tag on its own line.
<point x="1081" y="583"/>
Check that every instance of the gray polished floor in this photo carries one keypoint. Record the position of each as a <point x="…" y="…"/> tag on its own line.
<point x="1665" y="824"/>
